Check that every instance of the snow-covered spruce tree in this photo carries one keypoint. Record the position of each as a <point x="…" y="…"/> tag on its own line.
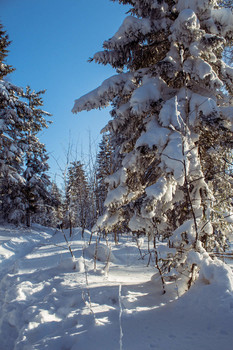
<point x="36" y="188"/>
<point x="51" y="214"/>
<point x="23" y="159"/>
<point x="23" y="156"/>
<point x="171" y="127"/>
<point x="57" y="212"/>
<point x="5" y="69"/>
<point x="104" y="168"/>
<point x="11" y="155"/>
<point x="77" y="195"/>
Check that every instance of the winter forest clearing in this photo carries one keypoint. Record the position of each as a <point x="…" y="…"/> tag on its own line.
<point x="134" y="251"/>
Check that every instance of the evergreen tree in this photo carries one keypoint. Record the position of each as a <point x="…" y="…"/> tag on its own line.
<point x="51" y="213"/>
<point x="104" y="169"/>
<point x="11" y="152"/>
<point x="77" y="197"/>
<point x="23" y="159"/>
<point x="5" y="68"/>
<point x="35" y="190"/>
<point x="171" y="127"/>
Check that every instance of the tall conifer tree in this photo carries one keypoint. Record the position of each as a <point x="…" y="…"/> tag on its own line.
<point x="171" y="127"/>
<point x="23" y="159"/>
<point x="104" y="168"/>
<point x="36" y="188"/>
<point x="77" y="197"/>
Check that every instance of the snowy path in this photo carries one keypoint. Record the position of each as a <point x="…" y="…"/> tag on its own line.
<point x="46" y="304"/>
<point x="14" y="244"/>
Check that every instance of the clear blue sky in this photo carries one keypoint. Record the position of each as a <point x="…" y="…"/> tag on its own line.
<point x="51" y="43"/>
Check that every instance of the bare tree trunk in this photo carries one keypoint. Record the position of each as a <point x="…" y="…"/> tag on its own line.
<point x="71" y="226"/>
<point x="28" y="218"/>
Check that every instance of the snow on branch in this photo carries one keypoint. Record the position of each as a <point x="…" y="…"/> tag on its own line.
<point x="223" y="18"/>
<point x="105" y="93"/>
<point x="218" y="20"/>
<point x="129" y="31"/>
<point x="113" y="57"/>
<point x="154" y="135"/>
<point x="144" y="95"/>
<point x="200" y="70"/>
<point x="227" y="114"/>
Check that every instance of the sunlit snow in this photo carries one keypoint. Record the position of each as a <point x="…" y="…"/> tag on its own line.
<point x="50" y="300"/>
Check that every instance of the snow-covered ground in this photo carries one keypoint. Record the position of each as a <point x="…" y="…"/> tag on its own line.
<point x="50" y="301"/>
